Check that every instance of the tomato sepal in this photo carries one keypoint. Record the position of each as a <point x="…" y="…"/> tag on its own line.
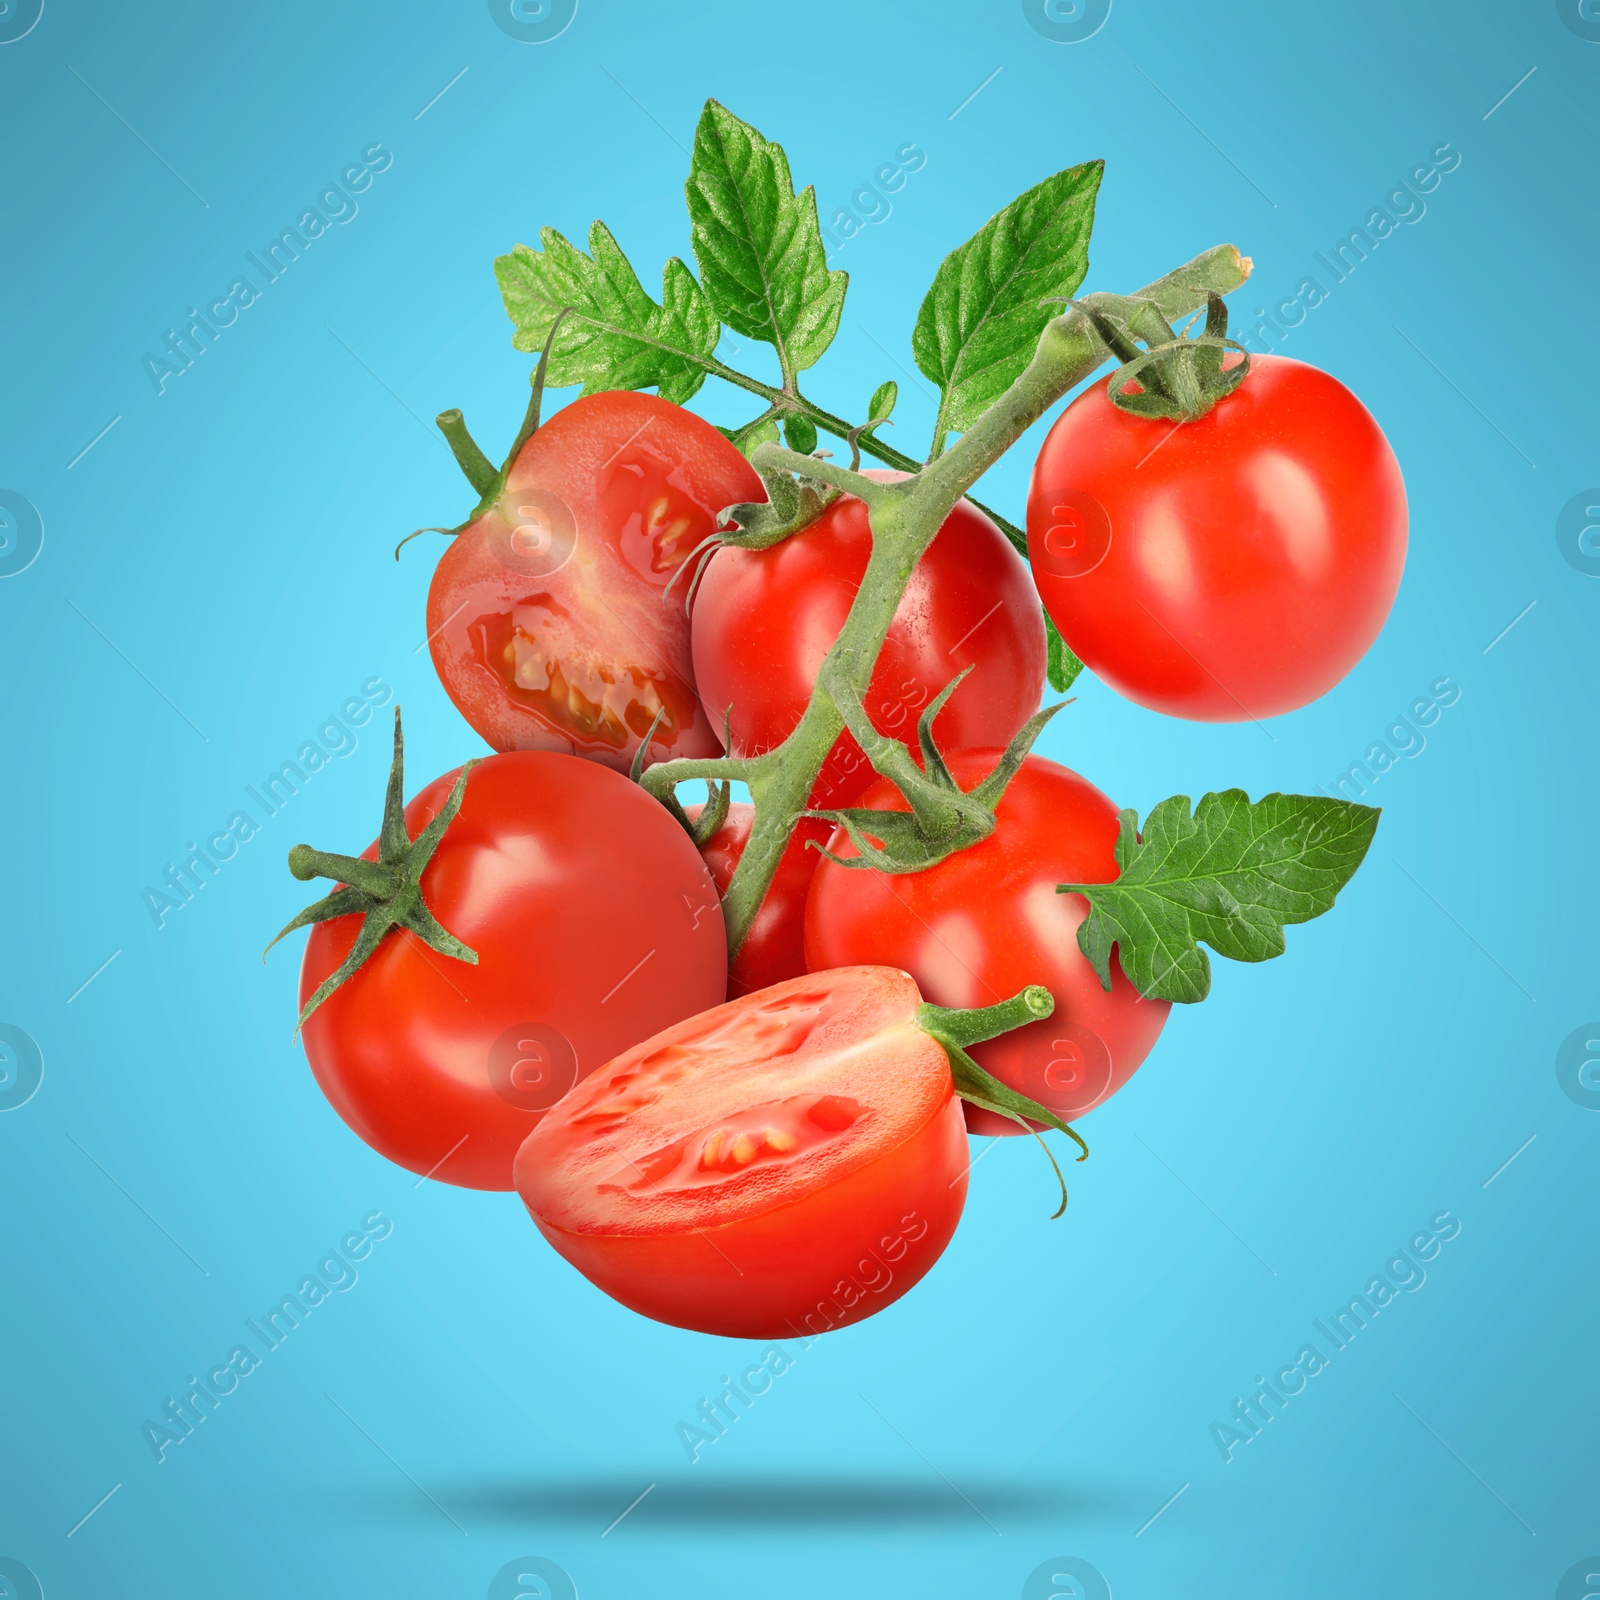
<point x="1174" y="376"/>
<point x="387" y="892"/>
<point x="793" y="503"/>
<point x="476" y="467"/>
<point x="956" y="1029"/>
<point x="943" y="819"/>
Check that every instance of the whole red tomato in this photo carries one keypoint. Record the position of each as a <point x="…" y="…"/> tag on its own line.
<point x="786" y="1164"/>
<point x="987" y="922"/>
<point x="764" y="620"/>
<point x="774" y="947"/>
<point x="546" y="616"/>
<point x="1233" y="567"/>
<point x="595" y="924"/>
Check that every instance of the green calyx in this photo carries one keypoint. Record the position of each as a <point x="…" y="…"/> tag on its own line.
<point x="1173" y="376"/>
<point x="943" y="819"/>
<point x="475" y="466"/>
<point x="795" y="498"/>
<point x="386" y="893"/>
<point x="955" y="1030"/>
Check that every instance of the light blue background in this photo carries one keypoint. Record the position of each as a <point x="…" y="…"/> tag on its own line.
<point x="216" y="578"/>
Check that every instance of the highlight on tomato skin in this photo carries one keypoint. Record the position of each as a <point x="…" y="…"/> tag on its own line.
<point x="548" y="617"/>
<point x="765" y="619"/>
<point x="595" y="923"/>
<point x="1233" y="567"/>
<point x="987" y="921"/>
<point x="782" y="1165"/>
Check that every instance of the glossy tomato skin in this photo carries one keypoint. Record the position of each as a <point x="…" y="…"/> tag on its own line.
<point x="595" y="923"/>
<point x="774" y="948"/>
<point x="1235" y="567"/>
<point x="987" y="921"/>
<point x="546" y="616"/>
<point x="764" y="620"/>
<point x="786" y="1164"/>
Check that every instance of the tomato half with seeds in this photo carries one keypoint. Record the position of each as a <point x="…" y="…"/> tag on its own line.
<point x="774" y="947"/>
<point x="790" y="1162"/>
<point x="765" y="619"/>
<point x="1235" y="566"/>
<point x="547" y="617"/>
<point x="987" y="921"/>
<point x="595" y="924"/>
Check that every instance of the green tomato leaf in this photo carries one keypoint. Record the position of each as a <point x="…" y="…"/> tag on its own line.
<point x="801" y="434"/>
<point x="881" y="406"/>
<point x="616" y="337"/>
<point x="1233" y="874"/>
<point x="1061" y="665"/>
<point x="980" y="322"/>
<point x="758" y="244"/>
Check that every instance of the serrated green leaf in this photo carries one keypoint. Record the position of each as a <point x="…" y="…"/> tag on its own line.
<point x="980" y="322"/>
<point x="1061" y="665"/>
<point x="758" y="244"/>
<point x="616" y="337"/>
<point x="1234" y="874"/>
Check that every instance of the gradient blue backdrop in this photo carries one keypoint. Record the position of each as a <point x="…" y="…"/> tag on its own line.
<point x="215" y="579"/>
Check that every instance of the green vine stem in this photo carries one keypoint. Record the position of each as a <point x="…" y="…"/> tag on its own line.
<point x="904" y="518"/>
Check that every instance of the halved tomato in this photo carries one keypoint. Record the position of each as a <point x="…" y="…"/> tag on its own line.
<point x="782" y="1165"/>
<point x="547" y="617"/>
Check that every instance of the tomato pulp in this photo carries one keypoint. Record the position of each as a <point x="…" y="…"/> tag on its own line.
<point x="790" y="1162"/>
<point x="546" y="615"/>
<point x="595" y="924"/>
<point x="987" y="922"/>
<point x="1233" y="567"/>
<point x="765" y="619"/>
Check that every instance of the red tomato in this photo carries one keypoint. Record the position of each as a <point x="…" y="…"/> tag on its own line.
<point x="1229" y="568"/>
<point x="595" y="925"/>
<point x="785" y="1164"/>
<point x="773" y="949"/>
<point x="764" y="620"/>
<point x="987" y="921"/>
<point x="546" y="617"/>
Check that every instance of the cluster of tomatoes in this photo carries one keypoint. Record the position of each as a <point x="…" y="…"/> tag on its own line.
<point x="540" y="995"/>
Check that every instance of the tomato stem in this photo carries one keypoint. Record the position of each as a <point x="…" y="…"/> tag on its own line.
<point x="475" y="465"/>
<point x="956" y="1029"/>
<point x="974" y="1025"/>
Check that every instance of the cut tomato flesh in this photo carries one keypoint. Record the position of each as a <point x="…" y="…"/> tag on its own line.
<point x="738" y="1172"/>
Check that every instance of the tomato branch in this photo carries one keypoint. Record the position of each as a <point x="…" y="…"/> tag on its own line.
<point x="905" y="516"/>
